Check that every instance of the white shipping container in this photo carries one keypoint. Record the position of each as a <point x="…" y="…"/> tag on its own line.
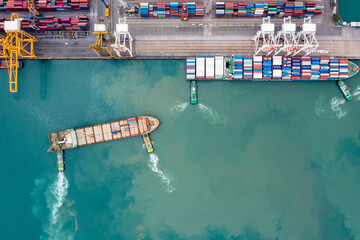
<point x="200" y="67"/>
<point x="219" y="67"/>
<point x="210" y="67"/>
<point x="277" y="73"/>
<point x="277" y="60"/>
<point x="257" y="75"/>
<point x="258" y="59"/>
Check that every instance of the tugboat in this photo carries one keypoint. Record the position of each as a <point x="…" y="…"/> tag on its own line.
<point x="147" y="142"/>
<point x="345" y="90"/>
<point x="60" y="161"/>
<point x="193" y="93"/>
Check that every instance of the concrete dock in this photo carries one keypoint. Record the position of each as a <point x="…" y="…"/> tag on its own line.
<point x="172" y="38"/>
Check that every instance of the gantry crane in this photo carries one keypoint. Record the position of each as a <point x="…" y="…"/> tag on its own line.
<point x="32" y="14"/>
<point x="17" y="43"/>
<point x="185" y="10"/>
<point x="100" y="33"/>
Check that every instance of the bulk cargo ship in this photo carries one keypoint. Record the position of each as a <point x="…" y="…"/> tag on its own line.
<point x="264" y="68"/>
<point x="105" y="132"/>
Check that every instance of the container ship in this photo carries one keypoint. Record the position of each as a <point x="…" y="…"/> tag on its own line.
<point x="267" y="9"/>
<point x="269" y="68"/>
<point x="105" y="132"/>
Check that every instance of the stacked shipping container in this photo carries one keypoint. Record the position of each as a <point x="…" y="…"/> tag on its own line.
<point x="277" y="70"/>
<point x="171" y="9"/>
<point x="267" y="67"/>
<point x="210" y="67"/>
<point x="298" y="9"/>
<point x="315" y="68"/>
<point x="258" y="67"/>
<point x="248" y="67"/>
<point x="324" y="68"/>
<point x="238" y="67"/>
<point x="344" y="70"/>
<point x="200" y="67"/>
<point x="334" y="68"/>
<point x="286" y="74"/>
<point x="190" y="68"/>
<point x="306" y="68"/>
<point x="44" y="5"/>
<point x="219" y="67"/>
<point x="52" y="23"/>
<point x="296" y="67"/>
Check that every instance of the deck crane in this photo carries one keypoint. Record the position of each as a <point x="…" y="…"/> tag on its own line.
<point x="185" y="10"/>
<point x="17" y="43"/>
<point x="100" y="33"/>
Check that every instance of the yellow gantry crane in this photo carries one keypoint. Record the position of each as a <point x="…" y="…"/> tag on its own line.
<point x="17" y="43"/>
<point x="100" y="33"/>
<point x="32" y="14"/>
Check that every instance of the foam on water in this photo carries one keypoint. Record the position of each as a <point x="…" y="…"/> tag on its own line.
<point x="180" y="107"/>
<point x="336" y="106"/>
<point x="356" y="93"/>
<point x="164" y="176"/>
<point x="211" y="115"/>
<point x="59" y="189"/>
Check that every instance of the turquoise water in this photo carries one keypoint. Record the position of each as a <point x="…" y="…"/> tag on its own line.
<point x="253" y="160"/>
<point x="349" y="10"/>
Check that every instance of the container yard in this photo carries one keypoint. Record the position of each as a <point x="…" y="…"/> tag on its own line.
<point x="162" y="30"/>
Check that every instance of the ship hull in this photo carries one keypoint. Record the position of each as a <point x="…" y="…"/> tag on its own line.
<point x="104" y="132"/>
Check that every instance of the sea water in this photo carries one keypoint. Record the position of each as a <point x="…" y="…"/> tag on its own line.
<point x="253" y="160"/>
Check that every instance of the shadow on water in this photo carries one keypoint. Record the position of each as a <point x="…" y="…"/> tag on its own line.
<point x="43" y="78"/>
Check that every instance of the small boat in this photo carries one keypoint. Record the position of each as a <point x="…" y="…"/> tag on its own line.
<point x="4" y="64"/>
<point x="345" y="90"/>
<point x="60" y="161"/>
<point x="147" y="142"/>
<point x="193" y="92"/>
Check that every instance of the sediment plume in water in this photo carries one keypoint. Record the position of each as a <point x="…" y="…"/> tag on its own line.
<point x="164" y="176"/>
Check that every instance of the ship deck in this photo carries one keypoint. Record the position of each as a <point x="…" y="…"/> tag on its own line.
<point x="105" y="132"/>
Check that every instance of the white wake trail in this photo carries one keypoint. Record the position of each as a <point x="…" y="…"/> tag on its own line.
<point x="356" y="93"/>
<point x="211" y="115"/>
<point x="336" y="104"/>
<point x="164" y="176"/>
<point x="59" y="189"/>
<point x="179" y="107"/>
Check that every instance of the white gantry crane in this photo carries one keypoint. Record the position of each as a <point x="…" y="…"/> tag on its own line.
<point x="306" y="40"/>
<point x="266" y="35"/>
<point x="123" y="39"/>
<point x="286" y="37"/>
